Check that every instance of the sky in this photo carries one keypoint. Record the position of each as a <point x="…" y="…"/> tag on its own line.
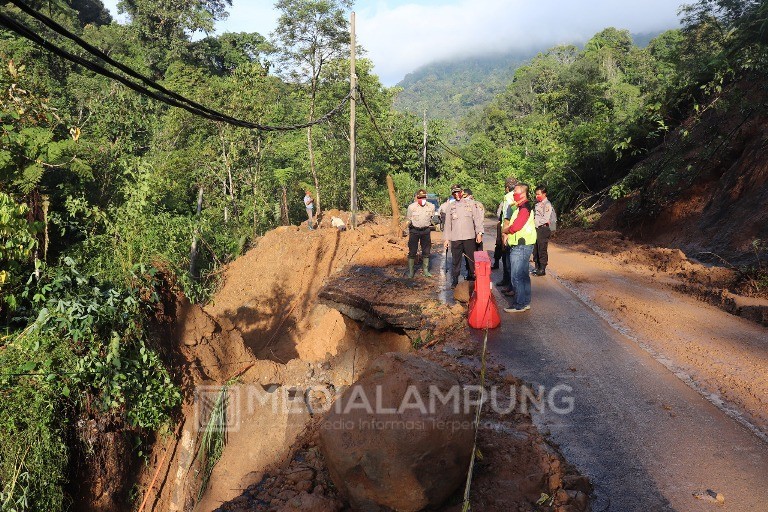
<point x="399" y="36"/>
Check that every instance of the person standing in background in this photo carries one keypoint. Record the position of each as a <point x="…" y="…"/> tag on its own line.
<point x="500" y="250"/>
<point x="469" y="195"/>
<point x="508" y="208"/>
<point x="419" y="215"/>
<point x="543" y="214"/>
<point x="309" y="203"/>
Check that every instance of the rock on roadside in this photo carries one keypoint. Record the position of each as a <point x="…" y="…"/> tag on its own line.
<point x="388" y="446"/>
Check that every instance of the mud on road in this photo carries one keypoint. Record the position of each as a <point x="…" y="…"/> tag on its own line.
<point x="664" y="301"/>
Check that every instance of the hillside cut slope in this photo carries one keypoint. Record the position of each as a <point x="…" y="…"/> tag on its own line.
<point x="705" y="190"/>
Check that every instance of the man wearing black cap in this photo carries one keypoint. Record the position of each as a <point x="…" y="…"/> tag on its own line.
<point x="462" y="232"/>
<point x="419" y="215"/>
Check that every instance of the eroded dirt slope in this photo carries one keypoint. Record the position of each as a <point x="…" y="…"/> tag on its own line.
<point x="705" y="189"/>
<point x="269" y="293"/>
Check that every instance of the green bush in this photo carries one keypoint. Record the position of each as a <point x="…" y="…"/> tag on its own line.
<point x="86" y="347"/>
<point x="33" y="453"/>
<point x="103" y="326"/>
<point x="17" y="245"/>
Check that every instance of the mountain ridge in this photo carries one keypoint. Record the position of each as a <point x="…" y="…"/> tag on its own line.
<point x="450" y="88"/>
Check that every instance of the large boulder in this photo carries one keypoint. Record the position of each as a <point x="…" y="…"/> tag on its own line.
<point x="401" y="437"/>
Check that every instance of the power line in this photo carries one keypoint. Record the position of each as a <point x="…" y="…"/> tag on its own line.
<point x="106" y="58"/>
<point x="166" y="96"/>
<point x="387" y="144"/>
<point x="454" y="153"/>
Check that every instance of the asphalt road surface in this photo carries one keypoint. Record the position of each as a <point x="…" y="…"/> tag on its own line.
<point x="648" y="441"/>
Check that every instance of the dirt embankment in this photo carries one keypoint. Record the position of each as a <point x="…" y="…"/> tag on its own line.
<point x="264" y="330"/>
<point x="268" y="334"/>
<point x="705" y="189"/>
<point x="716" y="285"/>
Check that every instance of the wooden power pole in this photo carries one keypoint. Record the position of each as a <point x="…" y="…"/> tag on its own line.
<point x="352" y="152"/>
<point x="395" y="208"/>
<point x="424" y="154"/>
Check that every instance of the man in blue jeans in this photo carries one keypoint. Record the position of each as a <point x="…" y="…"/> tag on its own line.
<point x="520" y="232"/>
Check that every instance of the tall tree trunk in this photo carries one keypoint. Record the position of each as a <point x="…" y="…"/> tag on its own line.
<point x="395" y="208"/>
<point x="193" y="250"/>
<point x="256" y="181"/>
<point x="312" y="150"/>
<point x="229" y="187"/>
<point x="226" y="195"/>
<point x="284" y="207"/>
<point x="313" y="168"/>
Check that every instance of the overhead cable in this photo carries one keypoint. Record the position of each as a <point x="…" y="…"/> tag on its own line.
<point x="387" y="144"/>
<point x="454" y="153"/>
<point x="164" y="95"/>
<point x="103" y="56"/>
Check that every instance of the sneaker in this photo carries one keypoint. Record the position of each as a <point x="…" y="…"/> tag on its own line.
<point x="518" y="309"/>
<point x="508" y="292"/>
<point x="540" y="273"/>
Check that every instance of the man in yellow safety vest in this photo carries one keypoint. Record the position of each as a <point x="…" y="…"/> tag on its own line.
<point x="520" y="232"/>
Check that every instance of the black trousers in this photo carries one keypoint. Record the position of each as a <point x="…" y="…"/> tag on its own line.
<point x="460" y="248"/>
<point x="418" y="236"/>
<point x="499" y="247"/>
<point x="540" y="256"/>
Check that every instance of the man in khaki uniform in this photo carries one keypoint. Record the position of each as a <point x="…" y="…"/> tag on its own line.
<point x="419" y="217"/>
<point x="462" y="232"/>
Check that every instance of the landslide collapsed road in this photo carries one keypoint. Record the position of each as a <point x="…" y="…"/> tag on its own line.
<point x="670" y="393"/>
<point x="296" y="321"/>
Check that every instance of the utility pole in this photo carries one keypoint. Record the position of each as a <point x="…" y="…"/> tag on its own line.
<point x="424" y="153"/>
<point x="352" y="92"/>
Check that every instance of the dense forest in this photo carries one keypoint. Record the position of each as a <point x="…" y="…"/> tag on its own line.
<point x="450" y="89"/>
<point x="108" y="194"/>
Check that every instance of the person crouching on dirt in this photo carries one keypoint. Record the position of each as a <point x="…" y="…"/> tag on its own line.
<point x="521" y="237"/>
<point x="543" y="213"/>
<point x="419" y="215"/>
<point x="462" y="232"/>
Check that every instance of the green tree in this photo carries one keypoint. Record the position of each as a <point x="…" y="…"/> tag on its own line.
<point x="164" y="26"/>
<point x="311" y="33"/>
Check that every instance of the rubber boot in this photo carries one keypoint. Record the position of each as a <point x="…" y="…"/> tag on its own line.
<point x="425" y="267"/>
<point x="411" y="264"/>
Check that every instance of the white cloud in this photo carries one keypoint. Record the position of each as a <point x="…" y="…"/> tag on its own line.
<point x="401" y="35"/>
<point x="402" y="38"/>
<point x="250" y="16"/>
